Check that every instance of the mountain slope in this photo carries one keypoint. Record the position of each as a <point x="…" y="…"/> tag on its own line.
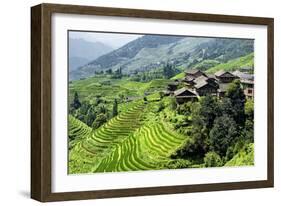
<point x="152" y="51"/>
<point x="144" y="53"/>
<point x="235" y="64"/>
<point x="82" y="52"/>
<point x="76" y="62"/>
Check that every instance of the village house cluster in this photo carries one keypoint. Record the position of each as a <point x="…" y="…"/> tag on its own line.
<point x="197" y="83"/>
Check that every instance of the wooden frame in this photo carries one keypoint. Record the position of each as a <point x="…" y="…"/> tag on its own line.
<point x="41" y="101"/>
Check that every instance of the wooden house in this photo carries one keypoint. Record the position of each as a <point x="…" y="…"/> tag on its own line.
<point x="248" y="87"/>
<point x="247" y="81"/>
<point x="184" y="95"/>
<point x="197" y="83"/>
<point x="243" y="75"/>
<point x="204" y="88"/>
<point x="194" y="73"/>
<point x="189" y="81"/>
<point x="172" y="86"/>
<point x="225" y="76"/>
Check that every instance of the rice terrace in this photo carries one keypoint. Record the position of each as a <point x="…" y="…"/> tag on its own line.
<point x="151" y="102"/>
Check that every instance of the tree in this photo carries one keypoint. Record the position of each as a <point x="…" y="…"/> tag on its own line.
<point x="209" y="110"/>
<point x="143" y="77"/>
<point x="248" y="132"/>
<point x="168" y="71"/>
<point x="117" y="74"/>
<point x="222" y="134"/>
<point x="173" y="103"/>
<point x="97" y="100"/>
<point x="212" y="159"/>
<point x="226" y="107"/>
<point x="85" y="105"/>
<point x="115" y="108"/>
<point x="100" y="120"/>
<point x="161" y="106"/>
<point x="101" y="109"/>
<point x="109" y="71"/>
<point x="76" y="104"/>
<point x="185" y="109"/>
<point x="195" y="147"/>
<point x="237" y="97"/>
<point x="119" y="70"/>
<point x="121" y="96"/>
<point x="161" y="94"/>
<point x="249" y="109"/>
<point x="91" y="116"/>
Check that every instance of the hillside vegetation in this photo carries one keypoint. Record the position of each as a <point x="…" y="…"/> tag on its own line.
<point x="244" y="157"/>
<point x="150" y="52"/>
<point x="125" y="143"/>
<point x="235" y="64"/>
<point x="121" y="118"/>
<point x="150" y="132"/>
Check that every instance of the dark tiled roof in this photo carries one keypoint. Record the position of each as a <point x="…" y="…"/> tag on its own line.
<point x="192" y="71"/>
<point x="247" y="81"/>
<point x="182" y="90"/>
<point x="219" y="73"/>
<point x="212" y="76"/>
<point x="200" y="79"/>
<point x="200" y="84"/>
<point x="243" y="75"/>
<point x="189" y="78"/>
<point x="222" y="72"/>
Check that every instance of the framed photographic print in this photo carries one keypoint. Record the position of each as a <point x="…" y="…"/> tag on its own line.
<point x="130" y="102"/>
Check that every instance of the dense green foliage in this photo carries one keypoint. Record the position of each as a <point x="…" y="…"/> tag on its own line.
<point x="165" y="72"/>
<point x="76" y="102"/>
<point x="218" y="129"/>
<point x="244" y="157"/>
<point x="222" y="134"/>
<point x="237" y="99"/>
<point x="206" y="64"/>
<point x="89" y="113"/>
<point x="212" y="159"/>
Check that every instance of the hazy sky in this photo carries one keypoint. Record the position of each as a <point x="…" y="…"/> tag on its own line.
<point x="112" y="39"/>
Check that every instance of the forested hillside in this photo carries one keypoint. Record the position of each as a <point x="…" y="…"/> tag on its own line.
<point x="153" y="51"/>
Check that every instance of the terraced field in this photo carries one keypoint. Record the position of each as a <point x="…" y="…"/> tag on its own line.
<point x="128" y="142"/>
<point x="77" y="130"/>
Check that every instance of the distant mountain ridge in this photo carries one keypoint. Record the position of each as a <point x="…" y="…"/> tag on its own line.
<point x="76" y="62"/>
<point x="151" y="51"/>
<point x="82" y="52"/>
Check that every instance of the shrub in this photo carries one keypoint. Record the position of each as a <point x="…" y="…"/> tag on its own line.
<point x="161" y="106"/>
<point x="212" y="159"/>
<point x="177" y="164"/>
<point x="173" y="103"/>
<point x="100" y="120"/>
